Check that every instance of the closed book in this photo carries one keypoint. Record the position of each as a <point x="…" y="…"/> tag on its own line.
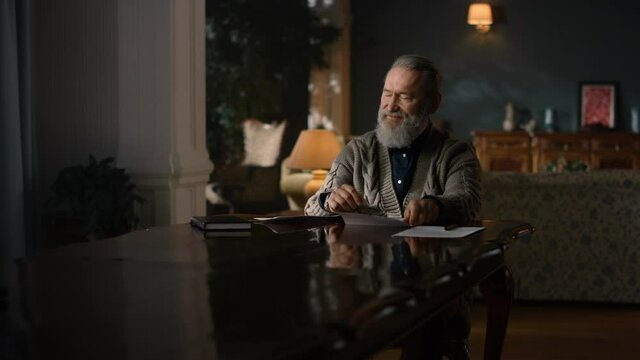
<point x="220" y="222"/>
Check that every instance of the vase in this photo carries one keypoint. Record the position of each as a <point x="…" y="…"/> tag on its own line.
<point x="549" y="120"/>
<point x="509" y="123"/>
<point x="635" y="120"/>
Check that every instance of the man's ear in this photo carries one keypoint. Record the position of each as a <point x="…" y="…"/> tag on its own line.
<point x="434" y="103"/>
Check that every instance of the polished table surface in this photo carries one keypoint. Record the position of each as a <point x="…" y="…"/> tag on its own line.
<point x="172" y="293"/>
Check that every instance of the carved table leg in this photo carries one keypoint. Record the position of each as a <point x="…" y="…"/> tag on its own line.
<point x="498" y="293"/>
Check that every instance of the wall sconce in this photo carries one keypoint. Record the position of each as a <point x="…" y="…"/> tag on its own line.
<point x="480" y="16"/>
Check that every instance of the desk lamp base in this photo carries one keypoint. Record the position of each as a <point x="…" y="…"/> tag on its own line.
<point x="314" y="184"/>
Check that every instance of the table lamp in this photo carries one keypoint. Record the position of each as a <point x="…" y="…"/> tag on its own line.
<point x="314" y="150"/>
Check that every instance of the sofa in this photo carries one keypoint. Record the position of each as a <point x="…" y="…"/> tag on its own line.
<point x="586" y="246"/>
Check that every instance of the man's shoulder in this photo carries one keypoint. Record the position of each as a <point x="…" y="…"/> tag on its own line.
<point x="364" y="141"/>
<point x="359" y="147"/>
<point x="368" y="136"/>
<point x="445" y="140"/>
<point x="440" y="142"/>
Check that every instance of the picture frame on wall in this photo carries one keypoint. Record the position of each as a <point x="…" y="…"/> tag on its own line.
<point x="598" y="105"/>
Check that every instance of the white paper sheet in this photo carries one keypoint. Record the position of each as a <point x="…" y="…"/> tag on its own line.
<point x="295" y="219"/>
<point x="439" y="232"/>
<point x="370" y="220"/>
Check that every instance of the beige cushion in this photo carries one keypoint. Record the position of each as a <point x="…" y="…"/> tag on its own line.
<point x="292" y="184"/>
<point x="262" y="142"/>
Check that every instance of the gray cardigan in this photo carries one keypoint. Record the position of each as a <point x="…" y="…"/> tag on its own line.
<point x="447" y="170"/>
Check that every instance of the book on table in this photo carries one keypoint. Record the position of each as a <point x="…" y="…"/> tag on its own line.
<point x="220" y="222"/>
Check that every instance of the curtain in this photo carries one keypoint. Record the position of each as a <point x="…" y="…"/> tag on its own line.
<point x="19" y="218"/>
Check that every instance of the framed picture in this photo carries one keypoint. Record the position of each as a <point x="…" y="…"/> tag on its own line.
<point x="598" y="104"/>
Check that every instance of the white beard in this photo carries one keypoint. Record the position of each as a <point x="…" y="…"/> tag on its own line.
<point x="403" y="134"/>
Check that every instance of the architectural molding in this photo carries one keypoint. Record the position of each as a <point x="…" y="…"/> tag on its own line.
<point x="162" y="106"/>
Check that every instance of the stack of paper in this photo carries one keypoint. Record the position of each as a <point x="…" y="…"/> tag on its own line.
<point x="356" y="219"/>
<point x="427" y="231"/>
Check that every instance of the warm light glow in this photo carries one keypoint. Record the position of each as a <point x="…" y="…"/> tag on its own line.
<point x="315" y="149"/>
<point x="480" y="15"/>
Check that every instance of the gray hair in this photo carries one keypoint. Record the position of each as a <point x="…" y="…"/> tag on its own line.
<point x="430" y="74"/>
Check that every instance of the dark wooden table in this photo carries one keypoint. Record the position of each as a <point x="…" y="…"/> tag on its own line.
<point x="170" y="293"/>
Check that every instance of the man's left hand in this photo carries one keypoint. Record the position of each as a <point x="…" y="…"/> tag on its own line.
<point x="421" y="212"/>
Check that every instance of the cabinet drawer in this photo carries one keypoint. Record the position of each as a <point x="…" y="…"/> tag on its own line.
<point x="508" y="144"/>
<point x="560" y="144"/>
<point x="617" y="144"/>
<point x="516" y="162"/>
<point x="489" y="141"/>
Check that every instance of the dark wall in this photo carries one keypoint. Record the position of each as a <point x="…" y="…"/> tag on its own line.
<point x="535" y="56"/>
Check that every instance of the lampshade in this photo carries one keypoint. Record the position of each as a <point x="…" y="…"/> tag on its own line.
<point x="480" y="14"/>
<point x="314" y="149"/>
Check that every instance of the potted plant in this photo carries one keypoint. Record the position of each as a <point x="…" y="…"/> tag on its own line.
<point x="562" y="164"/>
<point x="258" y="58"/>
<point x="89" y="202"/>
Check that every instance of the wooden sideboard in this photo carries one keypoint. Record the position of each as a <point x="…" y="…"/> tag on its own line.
<point x="520" y="152"/>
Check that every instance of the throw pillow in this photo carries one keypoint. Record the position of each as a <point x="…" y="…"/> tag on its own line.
<point x="262" y="142"/>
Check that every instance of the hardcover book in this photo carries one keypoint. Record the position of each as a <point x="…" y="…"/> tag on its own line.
<point x="220" y="222"/>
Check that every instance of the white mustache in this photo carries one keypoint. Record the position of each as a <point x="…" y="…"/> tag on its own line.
<point x="394" y="113"/>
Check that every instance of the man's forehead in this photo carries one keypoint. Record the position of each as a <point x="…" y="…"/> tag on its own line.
<point x="404" y="78"/>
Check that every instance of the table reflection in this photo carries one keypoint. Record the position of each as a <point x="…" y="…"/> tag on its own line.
<point x="174" y="293"/>
<point x="364" y="265"/>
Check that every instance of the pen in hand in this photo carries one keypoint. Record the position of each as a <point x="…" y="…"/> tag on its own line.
<point x="451" y="226"/>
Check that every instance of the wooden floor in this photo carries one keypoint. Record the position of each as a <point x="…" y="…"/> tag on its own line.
<point x="560" y="331"/>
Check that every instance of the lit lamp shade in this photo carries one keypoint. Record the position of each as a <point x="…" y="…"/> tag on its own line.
<point x="480" y="15"/>
<point x="315" y="150"/>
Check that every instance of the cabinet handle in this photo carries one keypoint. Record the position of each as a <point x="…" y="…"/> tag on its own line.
<point x="617" y="147"/>
<point x="565" y="147"/>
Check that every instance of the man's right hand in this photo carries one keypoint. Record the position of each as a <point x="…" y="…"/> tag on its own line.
<point x="343" y="198"/>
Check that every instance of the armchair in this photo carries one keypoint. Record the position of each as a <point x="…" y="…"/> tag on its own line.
<point x="252" y="185"/>
<point x="292" y="183"/>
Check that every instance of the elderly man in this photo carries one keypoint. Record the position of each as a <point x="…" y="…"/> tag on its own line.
<point x="405" y="168"/>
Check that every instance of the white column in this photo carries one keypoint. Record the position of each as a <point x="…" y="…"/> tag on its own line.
<point x="161" y="98"/>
